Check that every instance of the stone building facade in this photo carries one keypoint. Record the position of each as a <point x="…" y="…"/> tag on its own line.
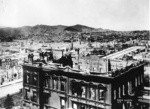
<point x="65" y="88"/>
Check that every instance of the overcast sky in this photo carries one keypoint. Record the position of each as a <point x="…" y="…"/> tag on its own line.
<point x="107" y="14"/>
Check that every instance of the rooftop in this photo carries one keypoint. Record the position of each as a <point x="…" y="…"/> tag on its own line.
<point x="92" y="65"/>
<point x="111" y="74"/>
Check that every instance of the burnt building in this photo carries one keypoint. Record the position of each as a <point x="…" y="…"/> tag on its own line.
<point x="55" y="87"/>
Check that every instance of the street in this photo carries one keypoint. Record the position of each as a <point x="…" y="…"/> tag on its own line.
<point x="10" y="89"/>
<point x="122" y="52"/>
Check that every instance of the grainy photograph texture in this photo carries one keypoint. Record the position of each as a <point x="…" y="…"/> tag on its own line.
<point x="74" y="54"/>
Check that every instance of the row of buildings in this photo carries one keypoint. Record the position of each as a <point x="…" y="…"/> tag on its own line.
<point x="11" y="60"/>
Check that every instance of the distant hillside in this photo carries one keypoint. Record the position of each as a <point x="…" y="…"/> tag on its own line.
<point x="61" y="33"/>
<point x="79" y="28"/>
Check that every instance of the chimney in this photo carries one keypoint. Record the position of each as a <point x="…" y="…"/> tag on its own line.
<point x="109" y="65"/>
<point x="30" y="58"/>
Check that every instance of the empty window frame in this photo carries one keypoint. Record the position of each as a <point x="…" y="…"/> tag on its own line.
<point x="27" y="77"/>
<point x="34" y="79"/>
<point x="92" y="92"/>
<point x="27" y="94"/>
<point x="101" y="92"/>
<point x="74" y="87"/>
<point x="55" y="83"/>
<point x="46" y="98"/>
<point x="63" y="85"/>
<point x="46" y="81"/>
<point x="34" y="96"/>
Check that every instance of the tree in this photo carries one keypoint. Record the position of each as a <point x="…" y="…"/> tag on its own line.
<point x="8" y="103"/>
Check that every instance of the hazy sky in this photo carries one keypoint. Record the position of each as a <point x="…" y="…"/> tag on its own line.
<point x="107" y="14"/>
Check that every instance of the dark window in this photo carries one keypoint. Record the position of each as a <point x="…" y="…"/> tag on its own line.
<point x="62" y="85"/>
<point x="46" y="98"/>
<point x="78" y="89"/>
<point x="92" y="107"/>
<point x="27" y="77"/>
<point x="82" y="106"/>
<point x="55" y="83"/>
<point x="139" y="80"/>
<point x="74" y="87"/>
<point x="35" y="77"/>
<point x="101" y="94"/>
<point x="34" y="96"/>
<point x="129" y="104"/>
<point x="46" y="82"/>
<point x="27" y="94"/>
